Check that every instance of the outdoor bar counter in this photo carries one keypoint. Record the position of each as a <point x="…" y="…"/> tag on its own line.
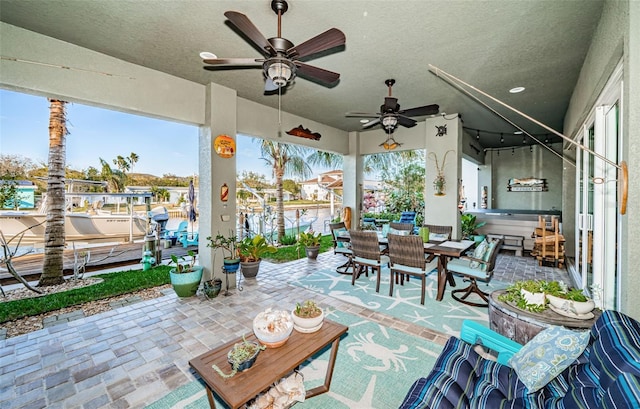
<point x="513" y="222"/>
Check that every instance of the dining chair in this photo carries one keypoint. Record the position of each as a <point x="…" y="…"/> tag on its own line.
<point x="366" y="253"/>
<point x="479" y="266"/>
<point x="341" y="247"/>
<point x="406" y="254"/>
<point x="398" y="226"/>
<point x="438" y="233"/>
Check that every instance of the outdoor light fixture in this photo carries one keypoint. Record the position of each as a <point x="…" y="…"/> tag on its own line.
<point x="280" y="73"/>
<point x="478" y="135"/>
<point x="390" y="144"/>
<point x="389" y="122"/>
<point x="501" y="138"/>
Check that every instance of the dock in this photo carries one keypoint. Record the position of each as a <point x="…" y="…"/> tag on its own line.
<point x="29" y="266"/>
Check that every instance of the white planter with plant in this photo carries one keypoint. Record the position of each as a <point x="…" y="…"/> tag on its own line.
<point x="538" y="295"/>
<point x="307" y="317"/>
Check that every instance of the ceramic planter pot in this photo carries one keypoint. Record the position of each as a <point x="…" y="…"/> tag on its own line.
<point x="312" y="252"/>
<point x="231" y="265"/>
<point x="273" y="327"/>
<point x="578" y="308"/>
<point x="186" y="284"/>
<point x="250" y="268"/>
<point x="533" y="298"/>
<point x="307" y="325"/>
<point x="247" y="363"/>
<point x="212" y="288"/>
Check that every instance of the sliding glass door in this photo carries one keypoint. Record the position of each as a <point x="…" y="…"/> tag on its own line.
<point x="597" y="217"/>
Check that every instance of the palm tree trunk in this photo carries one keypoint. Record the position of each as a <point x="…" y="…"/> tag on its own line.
<point x="54" y="231"/>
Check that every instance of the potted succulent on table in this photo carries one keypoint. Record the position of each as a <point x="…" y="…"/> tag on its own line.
<point x="185" y="276"/>
<point x="252" y="249"/>
<point x="307" y="317"/>
<point x="229" y="246"/>
<point x="241" y="357"/>
<point x="310" y="242"/>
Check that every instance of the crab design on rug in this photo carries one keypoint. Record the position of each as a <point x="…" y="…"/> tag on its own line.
<point x="386" y="356"/>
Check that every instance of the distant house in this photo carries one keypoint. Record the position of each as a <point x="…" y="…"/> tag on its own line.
<point x="320" y="188"/>
<point x="26" y="195"/>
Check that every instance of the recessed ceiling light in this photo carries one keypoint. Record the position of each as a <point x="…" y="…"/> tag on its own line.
<point x="364" y="121"/>
<point x="517" y="133"/>
<point x="206" y="55"/>
<point x="516" y="90"/>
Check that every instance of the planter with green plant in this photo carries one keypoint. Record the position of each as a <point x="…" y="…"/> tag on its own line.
<point x="469" y="226"/>
<point x="307" y="317"/>
<point x="185" y="275"/>
<point x="252" y="249"/>
<point x="229" y="246"/>
<point x="310" y="241"/>
<point x="241" y="357"/>
<point x="538" y="295"/>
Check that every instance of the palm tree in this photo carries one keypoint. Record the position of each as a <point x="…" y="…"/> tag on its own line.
<point x="284" y="159"/>
<point x="114" y="177"/>
<point x="54" y="231"/>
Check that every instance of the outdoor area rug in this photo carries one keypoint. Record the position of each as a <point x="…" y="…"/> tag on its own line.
<point x="374" y="368"/>
<point x="445" y="316"/>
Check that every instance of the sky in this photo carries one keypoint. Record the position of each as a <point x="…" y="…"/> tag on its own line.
<point x="163" y="147"/>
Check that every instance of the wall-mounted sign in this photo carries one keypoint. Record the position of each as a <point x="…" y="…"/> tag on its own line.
<point x="529" y="184"/>
<point x="224" y="146"/>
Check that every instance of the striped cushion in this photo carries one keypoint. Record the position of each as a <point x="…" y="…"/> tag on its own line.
<point x="606" y="375"/>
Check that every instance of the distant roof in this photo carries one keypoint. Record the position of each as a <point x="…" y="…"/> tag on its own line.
<point x="17" y="182"/>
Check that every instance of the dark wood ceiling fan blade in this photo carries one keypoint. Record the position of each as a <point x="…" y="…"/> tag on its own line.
<point x="245" y="25"/>
<point x="324" y="41"/>
<point x="406" y="122"/>
<point x="234" y="61"/>
<point x="360" y="115"/>
<point x="320" y="74"/>
<point x="421" y="111"/>
<point x="371" y="123"/>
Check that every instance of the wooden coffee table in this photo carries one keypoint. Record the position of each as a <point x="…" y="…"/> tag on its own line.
<point x="272" y="365"/>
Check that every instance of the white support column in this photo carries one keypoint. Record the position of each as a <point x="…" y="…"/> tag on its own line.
<point x="443" y="210"/>
<point x="353" y="178"/>
<point x="216" y="215"/>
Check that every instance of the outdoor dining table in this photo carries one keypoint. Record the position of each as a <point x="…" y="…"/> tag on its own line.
<point x="445" y="250"/>
<point x="442" y="249"/>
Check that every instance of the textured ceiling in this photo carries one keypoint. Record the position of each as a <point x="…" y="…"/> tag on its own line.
<point x="494" y="45"/>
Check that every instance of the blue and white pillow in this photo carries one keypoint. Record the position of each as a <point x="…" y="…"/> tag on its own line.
<point x="547" y="355"/>
<point x="438" y="236"/>
<point x="479" y="253"/>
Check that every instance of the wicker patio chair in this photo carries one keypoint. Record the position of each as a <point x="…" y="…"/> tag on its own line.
<point x="342" y="247"/>
<point x="402" y="226"/>
<point x="366" y="253"/>
<point x="406" y="254"/>
<point x="478" y="267"/>
<point x="439" y="230"/>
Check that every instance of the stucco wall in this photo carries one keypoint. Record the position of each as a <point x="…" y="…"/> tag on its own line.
<point x="522" y="163"/>
<point x="617" y="36"/>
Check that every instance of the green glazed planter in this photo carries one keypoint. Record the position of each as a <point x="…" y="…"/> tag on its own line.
<point x="186" y="284"/>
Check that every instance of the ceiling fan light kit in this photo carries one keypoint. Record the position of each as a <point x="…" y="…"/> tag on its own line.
<point x="390" y="115"/>
<point x="281" y="63"/>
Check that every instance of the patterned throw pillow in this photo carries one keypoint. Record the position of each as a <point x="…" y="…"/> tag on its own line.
<point x="547" y="355"/>
<point x="438" y="236"/>
<point x="478" y="253"/>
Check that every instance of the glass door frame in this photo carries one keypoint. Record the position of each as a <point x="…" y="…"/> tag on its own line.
<point x="597" y="219"/>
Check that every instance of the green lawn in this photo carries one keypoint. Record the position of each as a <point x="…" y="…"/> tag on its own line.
<point x="118" y="283"/>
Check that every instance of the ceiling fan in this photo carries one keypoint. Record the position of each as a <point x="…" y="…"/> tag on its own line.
<point x="281" y="62"/>
<point x="390" y="115"/>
